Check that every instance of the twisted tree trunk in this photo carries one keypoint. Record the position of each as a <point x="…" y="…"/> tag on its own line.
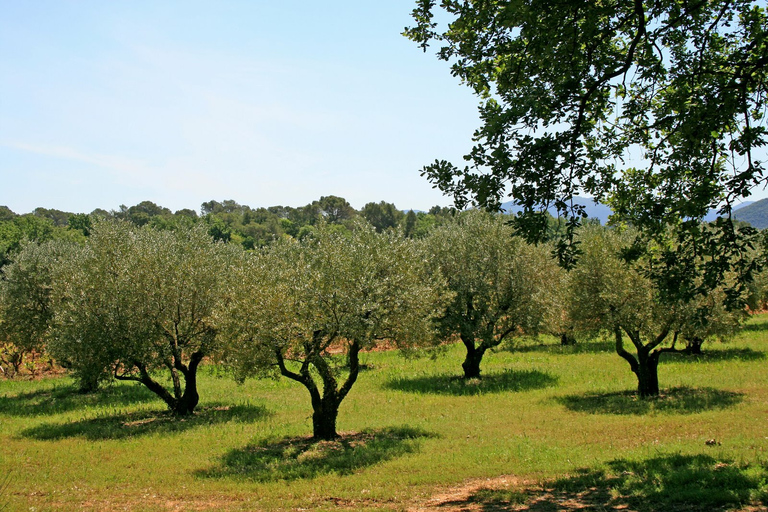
<point x="645" y="365"/>
<point x="325" y="405"/>
<point x="180" y="403"/>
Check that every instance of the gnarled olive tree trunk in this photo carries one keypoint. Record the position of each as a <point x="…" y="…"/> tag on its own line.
<point x="475" y="353"/>
<point x="645" y="365"/>
<point x="325" y="404"/>
<point x="694" y="346"/>
<point x="183" y="400"/>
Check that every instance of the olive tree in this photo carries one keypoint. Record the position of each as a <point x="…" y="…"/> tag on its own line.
<point x="612" y="293"/>
<point x="135" y="301"/>
<point x="308" y="308"/>
<point x="503" y="286"/>
<point x="26" y="307"/>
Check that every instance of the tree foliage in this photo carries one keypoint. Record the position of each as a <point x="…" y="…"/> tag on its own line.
<point x="6" y="213"/>
<point x="382" y="215"/>
<point x="657" y="108"/>
<point x="335" y="209"/>
<point x="30" y="227"/>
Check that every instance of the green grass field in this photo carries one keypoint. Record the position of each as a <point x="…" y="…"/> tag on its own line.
<point x="561" y="420"/>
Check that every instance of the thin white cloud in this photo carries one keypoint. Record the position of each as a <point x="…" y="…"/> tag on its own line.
<point x="133" y="168"/>
<point x="125" y="172"/>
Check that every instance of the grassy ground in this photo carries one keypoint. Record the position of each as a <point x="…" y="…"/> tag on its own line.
<point x="561" y="420"/>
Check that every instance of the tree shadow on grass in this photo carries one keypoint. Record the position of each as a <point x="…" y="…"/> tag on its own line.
<point x="141" y="423"/>
<point x="667" y="483"/>
<point x="62" y="399"/>
<point x="681" y="400"/>
<point x="304" y="458"/>
<point x="509" y="380"/>
<point x="586" y="347"/>
<point x="756" y="326"/>
<point x="726" y="354"/>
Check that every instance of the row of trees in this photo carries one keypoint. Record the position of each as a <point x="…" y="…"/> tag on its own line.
<point x="657" y="109"/>
<point x="132" y="303"/>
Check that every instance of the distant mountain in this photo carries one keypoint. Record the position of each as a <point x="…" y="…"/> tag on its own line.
<point x="600" y="211"/>
<point x="594" y="209"/>
<point x="756" y="213"/>
<point x="712" y="215"/>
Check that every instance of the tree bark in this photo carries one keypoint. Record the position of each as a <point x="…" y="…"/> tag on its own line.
<point x="326" y="410"/>
<point x="155" y="387"/>
<point x="474" y="357"/>
<point x="324" y="420"/>
<point x="648" y="374"/>
<point x="567" y="339"/>
<point x="325" y="406"/>
<point x="183" y="405"/>
<point x="189" y="400"/>
<point x="694" y="346"/>
<point x="644" y="366"/>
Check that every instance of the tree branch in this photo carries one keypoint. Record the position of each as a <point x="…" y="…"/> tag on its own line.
<point x="354" y="370"/>
<point x="633" y="364"/>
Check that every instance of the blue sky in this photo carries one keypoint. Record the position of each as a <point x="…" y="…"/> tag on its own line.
<point x="104" y="103"/>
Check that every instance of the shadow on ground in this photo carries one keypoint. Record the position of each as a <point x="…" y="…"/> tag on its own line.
<point x="726" y="354"/>
<point x="302" y="457"/>
<point x="756" y="326"/>
<point x="62" y="399"/>
<point x="509" y="380"/>
<point x="682" y="400"/>
<point x="668" y="483"/>
<point x="140" y="423"/>
<point x="587" y="347"/>
<point x="600" y="347"/>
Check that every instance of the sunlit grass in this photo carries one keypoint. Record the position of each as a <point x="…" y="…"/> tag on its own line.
<point x="543" y="412"/>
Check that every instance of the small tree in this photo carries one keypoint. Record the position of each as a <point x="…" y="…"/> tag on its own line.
<point x="298" y="303"/>
<point x="706" y="317"/>
<point x="137" y="300"/>
<point x="503" y="286"/>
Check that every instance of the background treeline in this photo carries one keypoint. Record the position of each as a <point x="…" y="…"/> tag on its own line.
<point x="225" y="220"/>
